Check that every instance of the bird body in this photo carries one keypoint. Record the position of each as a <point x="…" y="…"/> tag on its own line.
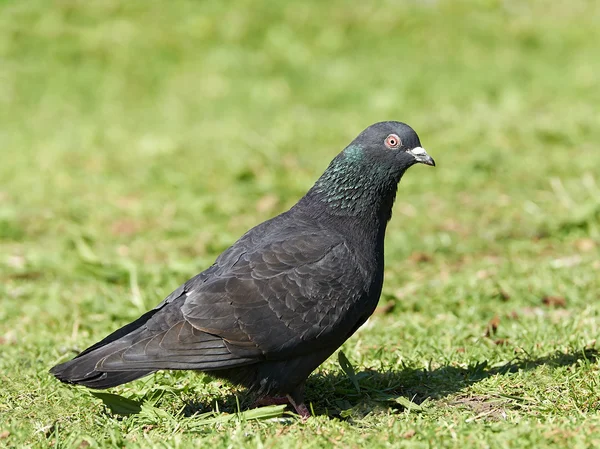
<point x="285" y="296"/>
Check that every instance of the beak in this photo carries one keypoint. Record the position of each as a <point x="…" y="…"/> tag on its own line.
<point x="421" y="156"/>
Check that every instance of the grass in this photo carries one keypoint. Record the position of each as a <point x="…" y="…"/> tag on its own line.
<point x="139" y="139"/>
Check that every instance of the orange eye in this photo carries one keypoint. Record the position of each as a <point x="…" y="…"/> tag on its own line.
<point x="393" y="141"/>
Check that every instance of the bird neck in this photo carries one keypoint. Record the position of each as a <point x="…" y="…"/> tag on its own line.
<point x="368" y="204"/>
<point x="355" y="192"/>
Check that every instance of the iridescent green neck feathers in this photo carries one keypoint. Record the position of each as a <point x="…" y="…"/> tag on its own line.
<point x="355" y="184"/>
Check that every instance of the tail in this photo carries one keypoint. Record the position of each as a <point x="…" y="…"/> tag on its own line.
<point x="82" y="369"/>
<point x="72" y="373"/>
<point x="159" y="339"/>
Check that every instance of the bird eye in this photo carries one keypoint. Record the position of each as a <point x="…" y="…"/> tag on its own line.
<point x="393" y="141"/>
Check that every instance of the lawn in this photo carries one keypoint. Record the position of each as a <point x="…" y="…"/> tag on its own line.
<point x="140" y="139"/>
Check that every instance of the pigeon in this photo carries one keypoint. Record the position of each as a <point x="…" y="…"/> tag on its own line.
<point x="284" y="297"/>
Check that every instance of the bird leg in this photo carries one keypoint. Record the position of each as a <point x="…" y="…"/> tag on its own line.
<point x="296" y="398"/>
<point x="300" y="407"/>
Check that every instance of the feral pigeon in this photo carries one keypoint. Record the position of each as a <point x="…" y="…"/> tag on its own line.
<point x="285" y="296"/>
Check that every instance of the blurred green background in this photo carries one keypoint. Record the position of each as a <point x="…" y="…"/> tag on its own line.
<point x="139" y="139"/>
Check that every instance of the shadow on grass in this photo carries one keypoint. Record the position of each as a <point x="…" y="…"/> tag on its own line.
<point x="335" y="395"/>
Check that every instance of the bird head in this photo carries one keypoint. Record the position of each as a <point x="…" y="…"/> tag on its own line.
<point x="363" y="178"/>
<point x="392" y="144"/>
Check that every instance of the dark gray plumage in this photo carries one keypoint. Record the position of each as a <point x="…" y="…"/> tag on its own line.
<point x="285" y="296"/>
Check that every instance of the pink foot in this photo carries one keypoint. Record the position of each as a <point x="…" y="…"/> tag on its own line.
<point x="301" y="409"/>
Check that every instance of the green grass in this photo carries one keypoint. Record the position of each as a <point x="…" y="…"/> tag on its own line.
<point x="139" y="139"/>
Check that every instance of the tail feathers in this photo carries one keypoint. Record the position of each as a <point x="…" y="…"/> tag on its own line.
<point x="95" y="379"/>
<point x="153" y="342"/>
<point x="82" y="370"/>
